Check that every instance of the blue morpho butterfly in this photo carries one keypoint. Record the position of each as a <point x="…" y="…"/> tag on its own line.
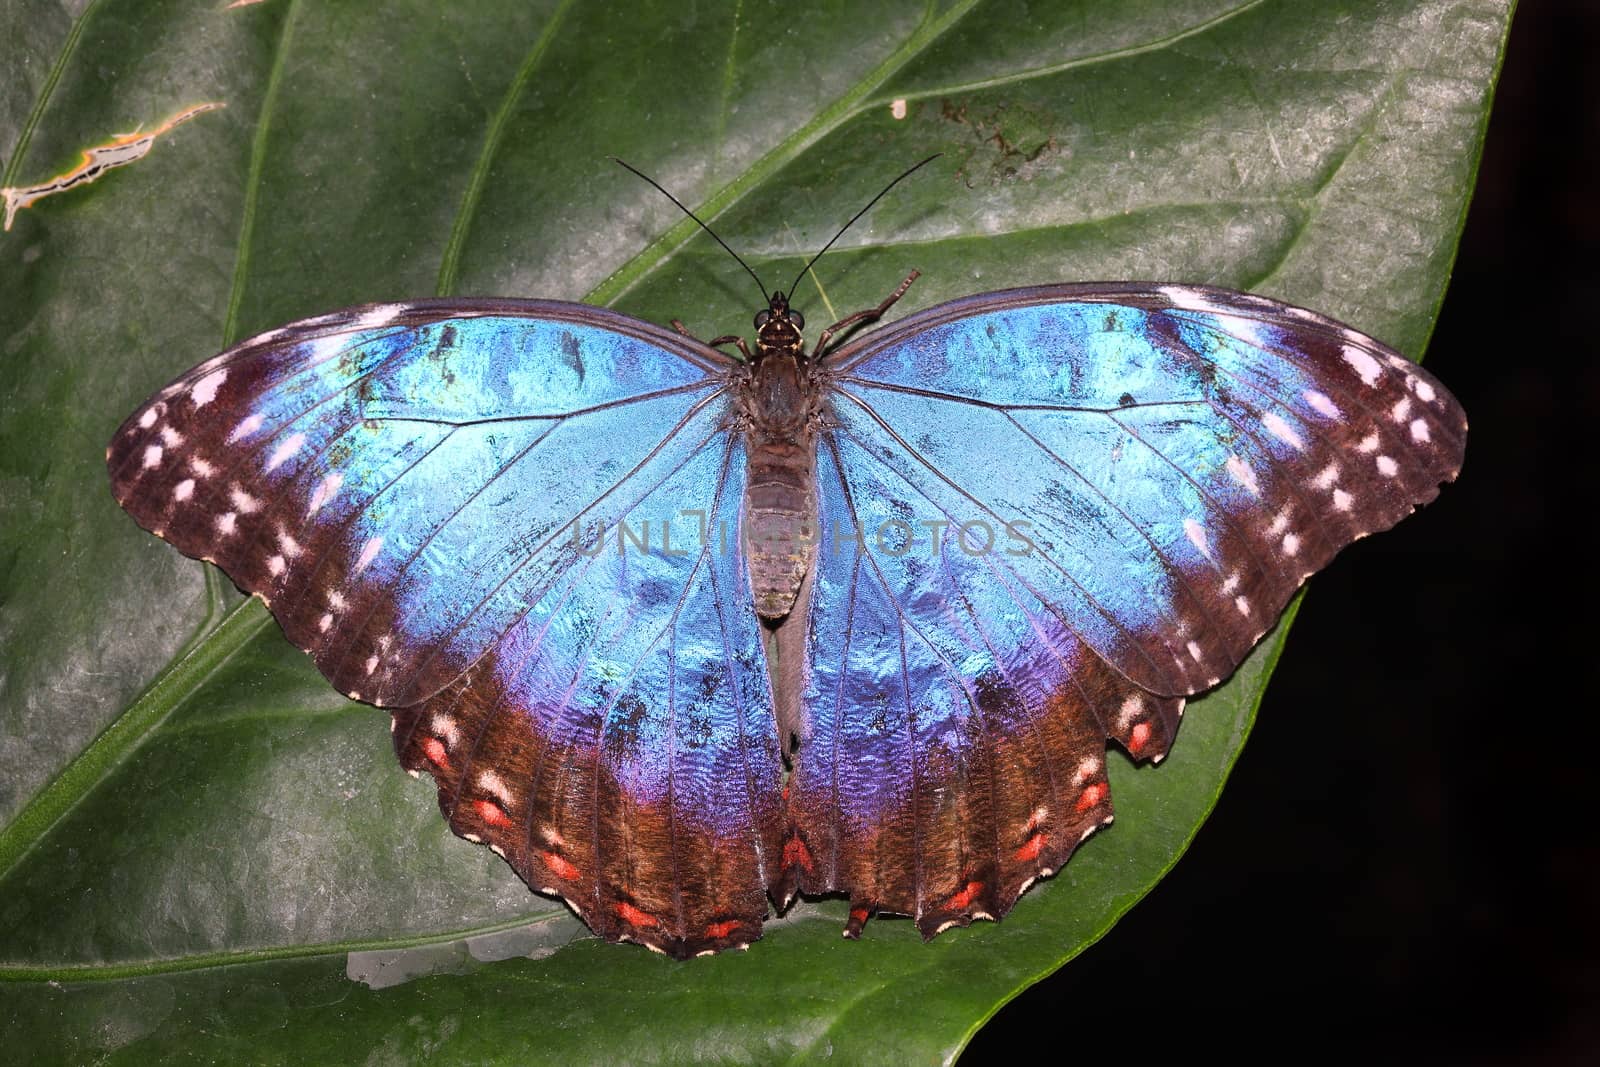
<point x="678" y="633"/>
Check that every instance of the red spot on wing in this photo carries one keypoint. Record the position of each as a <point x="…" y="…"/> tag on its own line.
<point x="722" y="929"/>
<point x="492" y="813"/>
<point x="1139" y="738"/>
<point x="633" y="916"/>
<point x="795" y="852"/>
<point x="1031" y="848"/>
<point x="1091" y="796"/>
<point x="964" y="899"/>
<point x="434" y="749"/>
<point x="558" y="866"/>
<point x="859" y="915"/>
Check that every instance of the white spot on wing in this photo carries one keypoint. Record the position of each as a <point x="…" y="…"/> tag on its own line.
<point x="495" y="786"/>
<point x="201" y="467"/>
<point x="324" y="623"/>
<point x="324" y="492"/>
<point x="1322" y="405"/>
<point x="288" y="447"/>
<point x="205" y="390"/>
<point x="1291" y="544"/>
<point x="1131" y="709"/>
<point x="1190" y="299"/>
<point x="1241" y="473"/>
<point x="1282" y="431"/>
<point x="1402" y="409"/>
<point x="183" y="490"/>
<point x="1087" y="769"/>
<point x="276" y="565"/>
<point x="381" y="315"/>
<point x="1388" y="467"/>
<point x="1369" y="443"/>
<point x="225" y="523"/>
<point x="1243" y="604"/>
<point x="245" y="428"/>
<point x="1197" y="537"/>
<point x="148" y="419"/>
<point x="1419" y="431"/>
<point x="152" y="456"/>
<point x="1342" y="500"/>
<point x="368" y="552"/>
<point x="1194" y="651"/>
<point x="444" y="728"/>
<point x="1367" y="367"/>
<point x="1280" y="523"/>
<point x="1326" y="478"/>
<point x="1425" y="391"/>
<point x="243" y="502"/>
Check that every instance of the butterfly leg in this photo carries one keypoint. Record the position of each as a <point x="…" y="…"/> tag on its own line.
<point x="725" y="339"/>
<point x="869" y="315"/>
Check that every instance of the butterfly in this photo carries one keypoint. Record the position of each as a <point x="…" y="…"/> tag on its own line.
<point x="682" y="634"/>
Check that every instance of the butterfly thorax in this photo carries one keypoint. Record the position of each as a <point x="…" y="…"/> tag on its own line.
<point x="781" y="404"/>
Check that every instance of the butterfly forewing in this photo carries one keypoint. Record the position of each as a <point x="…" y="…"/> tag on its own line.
<point x="1184" y="457"/>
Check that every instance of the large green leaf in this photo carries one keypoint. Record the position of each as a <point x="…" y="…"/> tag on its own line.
<point x="206" y="852"/>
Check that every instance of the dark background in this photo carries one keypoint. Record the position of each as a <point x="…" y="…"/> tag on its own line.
<point x="1403" y="865"/>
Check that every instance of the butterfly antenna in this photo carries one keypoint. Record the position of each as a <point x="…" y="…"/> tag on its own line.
<point x="639" y="173"/>
<point x="908" y="173"/>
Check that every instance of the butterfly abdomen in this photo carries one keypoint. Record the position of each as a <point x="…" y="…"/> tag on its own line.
<point x="780" y="513"/>
<point x="780" y="523"/>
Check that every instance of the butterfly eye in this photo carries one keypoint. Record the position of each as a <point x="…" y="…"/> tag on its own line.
<point x="798" y="319"/>
<point x="761" y="318"/>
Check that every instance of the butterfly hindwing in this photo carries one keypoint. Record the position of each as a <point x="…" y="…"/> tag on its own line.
<point x="432" y="499"/>
<point x="954" y="736"/>
<point x="616" y="744"/>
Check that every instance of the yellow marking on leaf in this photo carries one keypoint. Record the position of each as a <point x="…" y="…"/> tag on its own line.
<point x="121" y="150"/>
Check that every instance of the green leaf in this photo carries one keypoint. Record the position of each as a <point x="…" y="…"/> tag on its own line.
<point x="204" y="851"/>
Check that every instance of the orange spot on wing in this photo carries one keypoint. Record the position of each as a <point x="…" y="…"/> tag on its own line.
<point x="796" y="852"/>
<point x="434" y="749"/>
<point x="1091" y="796"/>
<point x="722" y="929"/>
<point x="1139" y="738"/>
<point x="964" y="899"/>
<point x="492" y="813"/>
<point x="559" y="866"/>
<point x="859" y="914"/>
<point x="633" y="916"/>
<point x="1031" y="848"/>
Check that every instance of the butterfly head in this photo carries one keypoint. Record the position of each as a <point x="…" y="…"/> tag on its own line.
<point x="778" y="328"/>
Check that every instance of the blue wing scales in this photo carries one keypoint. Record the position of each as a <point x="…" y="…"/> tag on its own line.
<point x="429" y="497"/>
<point x="1181" y="458"/>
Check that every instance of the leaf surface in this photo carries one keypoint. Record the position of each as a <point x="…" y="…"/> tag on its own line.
<point x="207" y="853"/>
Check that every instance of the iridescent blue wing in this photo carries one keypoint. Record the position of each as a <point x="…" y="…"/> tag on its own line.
<point x="427" y="496"/>
<point x="1144" y="476"/>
